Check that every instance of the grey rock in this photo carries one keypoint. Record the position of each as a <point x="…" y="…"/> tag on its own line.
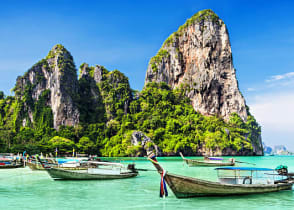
<point x="98" y="73"/>
<point x="199" y="58"/>
<point x="56" y="73"/>
<point x="139" y="138"/>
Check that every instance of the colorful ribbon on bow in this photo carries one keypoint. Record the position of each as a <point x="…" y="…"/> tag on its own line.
<point x="163" y="190"/>
<point x="153" y="157"/>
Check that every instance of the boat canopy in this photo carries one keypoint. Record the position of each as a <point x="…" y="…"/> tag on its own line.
<point x="245" y="169"/>
<point x="5" y="159"/>
<point x="215" y="158"/>
<point x="106" y="163"/>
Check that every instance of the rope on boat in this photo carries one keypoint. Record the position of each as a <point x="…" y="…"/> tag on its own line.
<point x="163" y="190"/>
<point x="155" y="162"/>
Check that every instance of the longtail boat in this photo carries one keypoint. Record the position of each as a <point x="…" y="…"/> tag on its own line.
<point x="7" y="163"/>
<point x="234" y="184"/>
<point x="71" y="165"/>
<point x="95" y="171"/>
<point x="8" y="166"/>
<point x="34" y="165"/>
<point x="208" y="161"/>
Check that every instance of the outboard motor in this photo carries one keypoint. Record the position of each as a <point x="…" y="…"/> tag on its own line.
<point x="282" y="170"/>
<point x="132" y="168"/>
<point x="232" y="160"/>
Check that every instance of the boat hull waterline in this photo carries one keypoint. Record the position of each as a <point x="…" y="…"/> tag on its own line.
<point x="57" y="173"/>
<point x="8" y="166"/>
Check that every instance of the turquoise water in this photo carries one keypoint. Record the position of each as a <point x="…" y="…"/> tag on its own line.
<point x="26" y="189"/>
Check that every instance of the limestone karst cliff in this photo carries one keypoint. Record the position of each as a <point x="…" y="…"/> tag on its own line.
<point x="98" y="95"/>
<point x="54" y="79"/>
<point x="99" y="113"/>
<point x="107" y="92"/>
<point x="90" y="100"/>
<point x="198" y="58"/>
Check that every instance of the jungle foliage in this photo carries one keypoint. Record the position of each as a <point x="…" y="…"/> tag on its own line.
<point x="109" y="112"/>
<point x="165" y="115"/>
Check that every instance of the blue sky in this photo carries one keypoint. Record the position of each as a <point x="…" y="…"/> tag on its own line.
<point x="124" y="35"/>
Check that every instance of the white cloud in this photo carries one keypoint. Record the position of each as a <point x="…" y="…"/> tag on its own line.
<point x="275" y="113"/>
<point x="280" y="77"/>
<point x="251" y="89"/>
<point x="272" y="104"/>
<point x="275" y="83"/>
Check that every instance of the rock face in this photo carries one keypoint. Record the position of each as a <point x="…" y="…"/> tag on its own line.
<point x="115" y="91"/>
<point x="198" y="58"/>
<point x="100" y="87"/>
<point x="90" y="104"/>
<point x="57" y="74"/>
<point x="94" y="72"/>
<point x="139" y="138"/>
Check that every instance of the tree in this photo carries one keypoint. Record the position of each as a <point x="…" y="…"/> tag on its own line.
<point x="85" y="145"/>
<point x="24" y="136"/>
<point x="1" y="95"/>
<point x="62" y="144"/>
<point x="66" y="132"/>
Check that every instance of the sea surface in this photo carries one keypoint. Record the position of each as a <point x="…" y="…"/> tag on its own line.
<point x="25" y="189"/>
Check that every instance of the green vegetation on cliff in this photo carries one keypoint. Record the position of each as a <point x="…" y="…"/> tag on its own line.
<point x="200" y="16"/>
<point x="91" y="106"/>
<point x="109" y="112"/>
<point x="173" y="124"/>
<point x="116" y="93"/>
<point x="155" y="61"/>
<point x="164" y="115"/>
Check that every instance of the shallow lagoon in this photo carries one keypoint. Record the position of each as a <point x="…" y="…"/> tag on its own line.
<point x="26" y="189"/>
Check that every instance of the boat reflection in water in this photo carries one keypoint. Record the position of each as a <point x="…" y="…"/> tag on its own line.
<point x="232" y="181"/>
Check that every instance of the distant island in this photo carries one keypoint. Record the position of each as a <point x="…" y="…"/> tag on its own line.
<point x="190" y="103"/>
<point x="276" y="150"/>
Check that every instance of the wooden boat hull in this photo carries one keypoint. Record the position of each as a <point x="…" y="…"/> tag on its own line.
<point x="208" y="163"/>
<point x="35" y="166"/>
<point x="10" y="166"/>
<point x="185" y="187"/>
<point x="38" y="166"/>
<point x="192" y="163"/>
<point x="57" y="173"/>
